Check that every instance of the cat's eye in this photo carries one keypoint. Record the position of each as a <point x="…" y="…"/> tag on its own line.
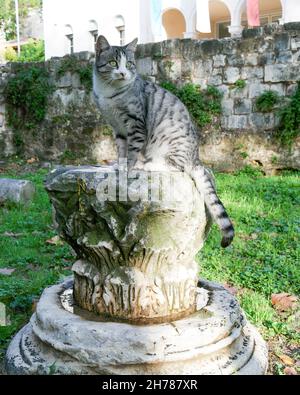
<point x="113" y="63"/>
<point x="129" y="64"/>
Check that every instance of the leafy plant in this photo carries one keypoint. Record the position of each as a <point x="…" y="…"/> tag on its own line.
<point x="10" y="54"/>
<point x="240" y="84"/>
<point x="249" y="170"/>
<point x="8" y="16"/>
<point x="266" y="101"/>
<point x="33" y="51"/>
<point x="26" y="96"/>
<point x="202" y="104"/>
<point x="289" y="126"/>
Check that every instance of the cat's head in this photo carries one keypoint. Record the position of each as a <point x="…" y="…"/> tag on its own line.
<point x="115" y="65"/>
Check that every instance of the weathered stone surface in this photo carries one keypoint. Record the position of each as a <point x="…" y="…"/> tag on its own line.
<point x="242" y="106"/>
<point x="135" y="235"/>
<point x="280" y="73"/>
<point x="226" y="152"/>
<point x="258" y="120"/>
<point x="215" y="340"/>
<point x="231" y="75"/>
<point x="135" y="263"/>
<point x="145" y="66"/>
<point x="16" y="191"/>
<point x="248" y="73"/>
<point x="235" y="122"/>
<point x="257" y="88"/>
<point x="282" y="41"/>
<point x="219" y="60"/>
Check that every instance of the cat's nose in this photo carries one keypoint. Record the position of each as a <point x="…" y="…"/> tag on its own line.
<point x="122" y="75"/>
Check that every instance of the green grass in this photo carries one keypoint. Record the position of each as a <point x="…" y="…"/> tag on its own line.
<point x="264" y="258"/>
<point x="36" y="263"/>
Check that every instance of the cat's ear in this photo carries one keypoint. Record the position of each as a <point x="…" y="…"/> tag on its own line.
<point x="132" y="46"/>
<point x="101" y="45"/>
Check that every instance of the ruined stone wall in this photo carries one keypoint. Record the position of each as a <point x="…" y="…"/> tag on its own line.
<point x="265" y="58"/>
<point x="73" y="129"/>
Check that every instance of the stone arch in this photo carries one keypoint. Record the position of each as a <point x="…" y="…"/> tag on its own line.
<point x="220" y="18"/>
<point x="174" y="23"/>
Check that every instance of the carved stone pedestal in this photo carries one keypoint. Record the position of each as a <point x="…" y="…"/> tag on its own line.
<point x="63" y="339"/>
<point x="135" y="305"/>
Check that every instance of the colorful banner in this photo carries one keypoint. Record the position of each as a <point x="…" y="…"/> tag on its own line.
<point x="253" y="12"/>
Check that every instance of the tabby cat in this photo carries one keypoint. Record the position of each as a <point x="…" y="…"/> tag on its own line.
<point x="152" y="127"/>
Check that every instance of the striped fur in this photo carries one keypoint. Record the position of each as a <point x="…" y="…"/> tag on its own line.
<point x="153" y="128"/>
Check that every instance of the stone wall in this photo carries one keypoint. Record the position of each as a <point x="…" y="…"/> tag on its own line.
<point x="265" y="58"/>
<point x="73" y="129"/>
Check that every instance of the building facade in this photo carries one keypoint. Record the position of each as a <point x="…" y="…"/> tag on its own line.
<point x="73" y="26"/>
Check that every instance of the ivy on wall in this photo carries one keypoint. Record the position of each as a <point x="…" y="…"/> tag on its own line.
<point x="26" y="97"/>
<point x="289" y="114"/>
<point x="71" y="64"/>
<point x="289" y="126"/>
<point x="202" y="104"/>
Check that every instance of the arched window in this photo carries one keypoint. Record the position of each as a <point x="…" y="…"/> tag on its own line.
<point x="93" y="30"/>
<point x="174" y="23"/>
<point x="70" y="39"/>
<point x="120" y="26"/>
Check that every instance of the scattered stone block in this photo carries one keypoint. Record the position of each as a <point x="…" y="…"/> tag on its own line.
<point x="16" y="191"/>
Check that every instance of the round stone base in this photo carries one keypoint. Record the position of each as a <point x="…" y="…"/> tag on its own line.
<point x="216" y="340"/>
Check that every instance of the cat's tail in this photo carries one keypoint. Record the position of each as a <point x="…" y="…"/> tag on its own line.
<point x="205" y="185"/>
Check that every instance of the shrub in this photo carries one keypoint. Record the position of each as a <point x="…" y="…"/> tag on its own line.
<point x="26" y="97"/>
<point x="240" y="84"/>
<point x="33" y="51"/>
<point x="202" y="104"/>
<point x="266" y="101"/>
<point x="10" y="55"/>
<point x="289" y="126"/>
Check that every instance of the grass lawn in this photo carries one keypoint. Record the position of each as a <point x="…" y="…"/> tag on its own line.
<point x="264" y="259"/>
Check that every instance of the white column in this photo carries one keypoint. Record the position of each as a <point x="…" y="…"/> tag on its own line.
<point x="190" y="14"/>
<point x="235" y="7"/>
<point x="290" y="11"/>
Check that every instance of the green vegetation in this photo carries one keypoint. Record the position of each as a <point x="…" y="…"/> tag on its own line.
<point x="33" y="51"/>
<point x="203" y="105"/>
<point x="8" y="16"/>
<point x="37" y="264"/>
<point x="27" y="96"/>
<point x="240" y="84"/>
<point x="264" y="258"/>
<point x="289" y="127"/>
<point x="266" y="101"/>
<point x="71" y="64"/>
